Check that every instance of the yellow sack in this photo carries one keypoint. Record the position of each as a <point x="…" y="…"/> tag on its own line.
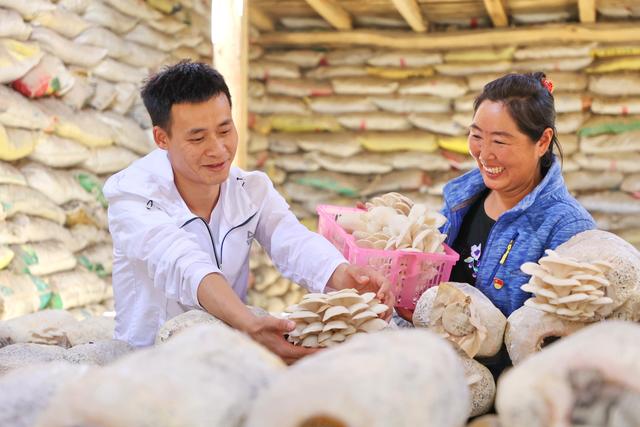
<point x="292" y="123"/>
<point x="606" y="52"/>
<point x="456" y="144"/>
<point x="17" y="58"/>
<point x="621" y="64"/>
<point x="81" y="126"/>
<point x="400" y="73"/>
<point x="480" y="55"/>
<point x="410" y="141"/>
<point x="16" y="143"/>
<point x="6" y="256"/>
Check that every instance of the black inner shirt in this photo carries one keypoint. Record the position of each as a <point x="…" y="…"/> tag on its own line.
<point x="471" y="241"/>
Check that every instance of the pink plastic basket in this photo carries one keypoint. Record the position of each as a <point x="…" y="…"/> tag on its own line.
<point x="410" y="273"/>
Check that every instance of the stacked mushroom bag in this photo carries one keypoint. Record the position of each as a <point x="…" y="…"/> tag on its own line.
<point x="465" y="317"/>
<point x="593" y="276"/>
<point x="589" y="378"/>
<point x="403" y="377"/>
<point x="323" y="320"/>
<point x="204" y="364"/>
<point x="70" y="116"/>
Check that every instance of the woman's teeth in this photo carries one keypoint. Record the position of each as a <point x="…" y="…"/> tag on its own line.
<point x="493" y="171"/>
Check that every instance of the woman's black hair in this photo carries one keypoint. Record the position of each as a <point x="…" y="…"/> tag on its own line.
<point x="529" y="102"/>
<point x="184" y="82"/>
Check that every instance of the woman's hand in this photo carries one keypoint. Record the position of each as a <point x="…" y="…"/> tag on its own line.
<point x="364" y="279"/>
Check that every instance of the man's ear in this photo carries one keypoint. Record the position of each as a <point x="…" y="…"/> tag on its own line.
<point x="160" y="137"/>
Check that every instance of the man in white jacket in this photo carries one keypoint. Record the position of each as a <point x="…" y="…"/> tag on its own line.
<point x="183" y="221"/>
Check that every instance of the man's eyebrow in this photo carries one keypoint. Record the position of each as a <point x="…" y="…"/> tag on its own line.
<point x="196" y="130"/>
<point x="499" y="133"/>
<point x="225" y="123"/>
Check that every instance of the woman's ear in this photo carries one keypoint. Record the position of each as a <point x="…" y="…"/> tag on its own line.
<point x="544" y="142"/>
<point x="160" y="137"/>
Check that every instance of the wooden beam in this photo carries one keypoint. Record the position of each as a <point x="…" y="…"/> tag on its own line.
<point x="587" y="10"/>
<point x="333" y="13"/>
<point x="260" y="19"/>
<point x="231" y="58"/>
<point x="568" y="33"/>
<point x="411" y="13"/>
<point x="495" y="9"/>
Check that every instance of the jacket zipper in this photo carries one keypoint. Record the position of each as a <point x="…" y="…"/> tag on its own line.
<point x="230" y="230"/>
<point x="504" y="256"/>
<point x="213" y="244"/>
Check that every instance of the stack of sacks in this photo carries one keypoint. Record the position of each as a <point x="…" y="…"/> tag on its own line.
<point x="70" y="116"/>
<point x="269" y="290"/>
<point x="332" y="126"/>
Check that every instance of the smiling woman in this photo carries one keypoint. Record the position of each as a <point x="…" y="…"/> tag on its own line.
<point x="515" y="205"/>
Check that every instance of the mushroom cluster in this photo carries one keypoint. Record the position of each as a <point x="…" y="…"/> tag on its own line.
<point x="463" y="315"/>
<point x="394" y="222"/>
<point x="401" y="203"/>
<point x="323" y="320"/>
<point x="572" y="289"/>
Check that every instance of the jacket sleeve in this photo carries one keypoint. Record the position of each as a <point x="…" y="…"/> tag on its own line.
<point x="299" y="254"/>
<point x="170" y="255"/>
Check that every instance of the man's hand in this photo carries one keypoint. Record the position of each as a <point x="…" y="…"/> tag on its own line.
<point x="269" y="331"/>
<point x="363" y="279"/>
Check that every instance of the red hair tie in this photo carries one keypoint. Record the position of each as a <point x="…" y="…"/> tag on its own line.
<point x="548" y="84"/>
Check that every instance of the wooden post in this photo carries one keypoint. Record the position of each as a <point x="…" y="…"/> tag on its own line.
<point x="260" y="19"/>
<point x="230" y="38"/>
<point x="587" y="10"/>
<point x="495" y="9"/>
<point x="332" y="12"/>
<point x="411" y="13"/>
<point x="562" y="33"/>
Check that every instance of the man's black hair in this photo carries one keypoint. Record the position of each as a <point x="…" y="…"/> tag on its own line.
<point x="184" y="82"/>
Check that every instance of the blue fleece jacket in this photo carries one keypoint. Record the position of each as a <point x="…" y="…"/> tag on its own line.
<point x="544" y="219"/>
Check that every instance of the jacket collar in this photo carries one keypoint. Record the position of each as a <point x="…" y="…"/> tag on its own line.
<point x="466" y="188"/>
<point x="152" y="177"/>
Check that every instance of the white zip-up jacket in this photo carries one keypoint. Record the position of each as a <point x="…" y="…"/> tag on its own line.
<point x="162" y="250"/>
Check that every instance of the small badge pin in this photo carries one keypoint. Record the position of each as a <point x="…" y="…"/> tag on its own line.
<point x="498" y="283"/>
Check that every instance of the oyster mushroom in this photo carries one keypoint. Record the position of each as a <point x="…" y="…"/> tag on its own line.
<point x="323" y="320"/>
<point x="394" y="222"/>
<point x="591" y="378"/>
<point x="463" y="315"/>
<point x="569" y="288"/>
<point x="599" y="248"/>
